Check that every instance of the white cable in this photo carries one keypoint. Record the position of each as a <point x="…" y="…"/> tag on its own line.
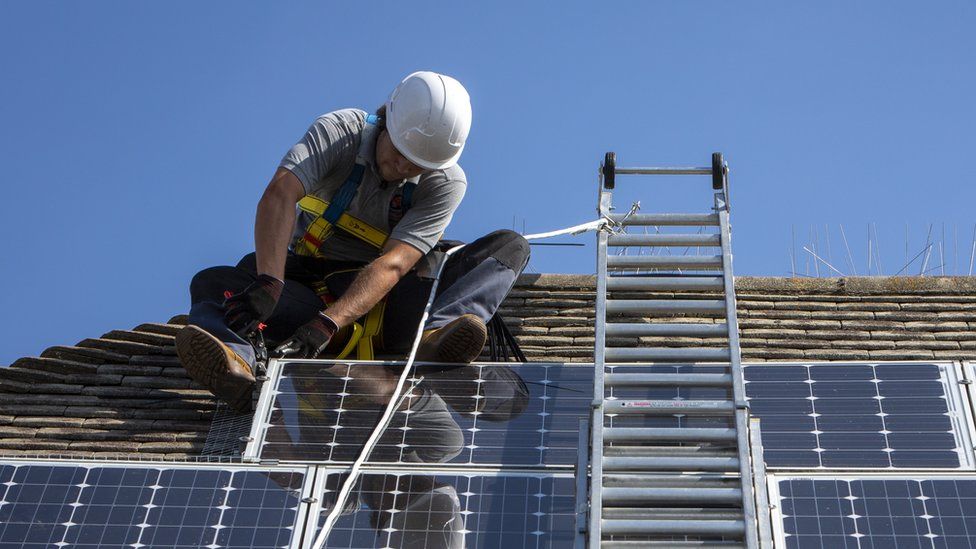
<point x="353" y="476"/>
<point x="391" y="406"/>
<point x="575" y="229"/>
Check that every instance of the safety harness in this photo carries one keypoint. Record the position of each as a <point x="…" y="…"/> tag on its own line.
<point x="329" y="216"/>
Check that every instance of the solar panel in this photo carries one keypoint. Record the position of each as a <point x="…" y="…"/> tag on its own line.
<point x="860" y="416"/>
<point x="877" y="512"/>
<point x="450" y="510"/>
<point x="94" y="505"/>
<point x="493" y="415"/>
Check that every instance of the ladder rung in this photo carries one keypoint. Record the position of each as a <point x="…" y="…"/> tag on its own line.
<point x="662" y="170"/>
<point x="618" y="449"/>
<point x="655" y="495"/>
<point x="682" y="380"/>
<point x="664" y="262"/>
<point x="637" y="480"/>
<point x="670" y="463"/>
<point x="666" y="354"/>
<point x="673" y="306"/>
<point x="665" y="283"/>
<point x="658" y="434"/>
<point x="675" y="527"/>
<point x="645" y="544"/>
<point x="622" y="239"/>
<point x="670" y="513"/>
<point x="668" y="407"/>
<point x="686" y="219"/>
<point x="667" y="329"/>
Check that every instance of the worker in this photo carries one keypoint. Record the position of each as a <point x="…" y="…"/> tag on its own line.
<point x="346" y="244"/>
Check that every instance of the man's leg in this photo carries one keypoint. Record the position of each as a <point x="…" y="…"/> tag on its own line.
<point x="215" y="356"/>
<point x="473" y="285"/>
<point x="478" y="277"/>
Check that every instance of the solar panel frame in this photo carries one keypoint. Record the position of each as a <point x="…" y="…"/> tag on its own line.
<point x="301" y="510"/>
<point x="779" y="518"/>
<point x="958" y="402"/>
<point x="565" y="478"/>
<point x="262" y="411"/>
<point x="967" y="384"/>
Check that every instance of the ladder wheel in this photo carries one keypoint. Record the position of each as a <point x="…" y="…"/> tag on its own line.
<point x="718" y="171"/>
<point x="609" y="169"/>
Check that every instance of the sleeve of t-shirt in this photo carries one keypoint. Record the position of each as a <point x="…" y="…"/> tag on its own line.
<point x="434" y="201"/>
<point x="323" y="146"/>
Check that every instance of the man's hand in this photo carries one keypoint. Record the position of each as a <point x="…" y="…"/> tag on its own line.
<point x="253" y="305"/>
<point x="309" y="340"/>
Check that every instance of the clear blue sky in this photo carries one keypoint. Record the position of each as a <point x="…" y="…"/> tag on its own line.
<point x="136" y="137"/>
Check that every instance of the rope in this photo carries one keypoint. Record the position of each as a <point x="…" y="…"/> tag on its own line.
<point x="395" y="399"/>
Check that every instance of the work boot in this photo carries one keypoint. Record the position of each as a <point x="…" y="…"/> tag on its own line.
<point x="459" y="341"/>
<point x="215" y="366"/>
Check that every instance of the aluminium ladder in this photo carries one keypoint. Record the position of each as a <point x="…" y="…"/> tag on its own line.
<point x="671" y="463"/>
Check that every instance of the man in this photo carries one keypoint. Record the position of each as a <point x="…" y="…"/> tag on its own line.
<point x="374" y="194"/>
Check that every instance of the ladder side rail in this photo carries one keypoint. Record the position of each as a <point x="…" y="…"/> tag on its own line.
<point x="582" y="463"/>
<point x="599" y="364"/>
<point x="738" y="387"/>
<point x="759" y="474"/>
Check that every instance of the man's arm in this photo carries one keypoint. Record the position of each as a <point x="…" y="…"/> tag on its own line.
<point x="374" y="282"/>
<point x="275" y="222"/>
<point x="272" y="232"/>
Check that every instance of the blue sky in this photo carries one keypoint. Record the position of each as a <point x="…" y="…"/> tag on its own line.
<point x="136" y="137"/>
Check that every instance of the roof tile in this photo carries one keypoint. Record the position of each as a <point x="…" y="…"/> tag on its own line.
<point x="86" y="355"/>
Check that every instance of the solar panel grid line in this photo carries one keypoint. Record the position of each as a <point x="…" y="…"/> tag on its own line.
<point x="74" y="509"/>
<point x="862" y="415"/>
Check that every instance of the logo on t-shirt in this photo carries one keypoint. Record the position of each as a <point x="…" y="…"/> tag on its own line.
<point x="396" y="209"/>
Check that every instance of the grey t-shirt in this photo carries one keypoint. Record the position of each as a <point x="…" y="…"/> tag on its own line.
<point x="324" y="158"/>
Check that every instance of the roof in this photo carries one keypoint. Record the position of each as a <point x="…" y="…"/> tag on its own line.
<point x="125" y="394"/>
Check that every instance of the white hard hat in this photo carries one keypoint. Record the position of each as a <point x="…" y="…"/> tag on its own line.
<point x="428" y="116"/>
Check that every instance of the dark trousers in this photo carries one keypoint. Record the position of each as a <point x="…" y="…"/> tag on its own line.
<point x="475" y="280"/>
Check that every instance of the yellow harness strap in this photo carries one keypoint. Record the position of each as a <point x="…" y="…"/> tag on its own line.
<point x="361" y="339"/>
<point x="371" y="328"/>
<point x="311" y="242"/>
<point x="319" y="229"/>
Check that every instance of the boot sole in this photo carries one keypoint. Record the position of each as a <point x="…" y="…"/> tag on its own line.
<point x="205" y="360"/>
<point x="463" y="344"/>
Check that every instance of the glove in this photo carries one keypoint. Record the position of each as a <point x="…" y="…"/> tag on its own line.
<point x="253" y="305"/>
<point x="309" y="340"/>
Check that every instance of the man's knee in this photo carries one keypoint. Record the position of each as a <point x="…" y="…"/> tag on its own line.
<point x="210" y="284"/>
<point x="508" y="247"/>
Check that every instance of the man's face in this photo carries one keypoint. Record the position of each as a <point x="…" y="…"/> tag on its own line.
<point x="393" y="166"/>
